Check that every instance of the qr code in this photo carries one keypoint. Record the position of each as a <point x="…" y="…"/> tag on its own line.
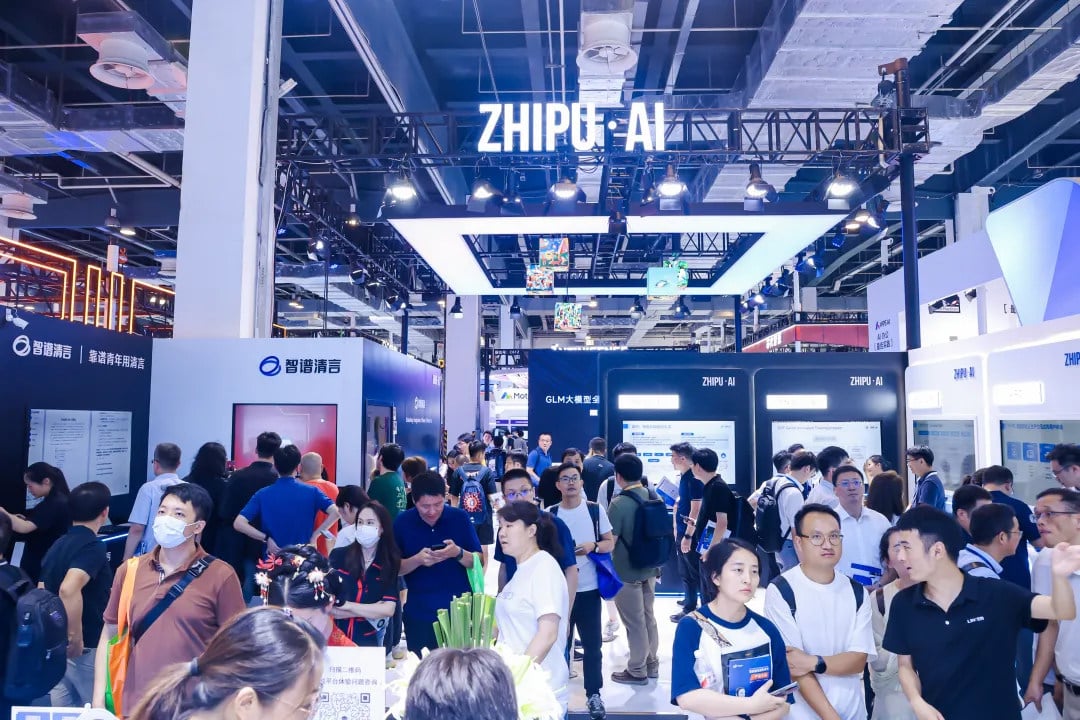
<point x="344" y="707"/>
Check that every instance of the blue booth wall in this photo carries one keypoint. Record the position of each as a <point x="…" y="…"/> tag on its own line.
<point x="414" y="389"/>
<point x="32" y="378"/>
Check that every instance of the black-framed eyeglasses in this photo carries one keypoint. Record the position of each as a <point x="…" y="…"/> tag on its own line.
<point x="1049" y="514"/>
<point x="570" y="479"/>
<point x="817" y="539"/>
<point x="523" y="495"/>
<point x="1061" y="469"/>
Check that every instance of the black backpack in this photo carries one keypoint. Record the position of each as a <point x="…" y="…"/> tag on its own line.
<point x="654" y="536"/>
<point x="744" y="520"/>
<point x="788" y="594"/>
<point x="767" y="515"/>
<point x="37" y="651"/>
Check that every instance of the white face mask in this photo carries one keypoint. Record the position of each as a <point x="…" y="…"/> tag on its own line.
<point x="367" y="535"/>
<point x="346" y="536"/>
<point x="169" y="531"/>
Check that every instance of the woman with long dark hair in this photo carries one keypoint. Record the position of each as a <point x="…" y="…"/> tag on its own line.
<point x="262" y="665"/>
<point x="726" y="658"/>
<point x="369" y="569"/>
<point x="534" y="606"/>
<point x="209" y="470"/>
<point x="300" y="580"/>
<point x="47" y="521"/>
<point x="886" y="495"/>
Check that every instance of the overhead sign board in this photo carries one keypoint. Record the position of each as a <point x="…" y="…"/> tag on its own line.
<point x="537" y="127"/>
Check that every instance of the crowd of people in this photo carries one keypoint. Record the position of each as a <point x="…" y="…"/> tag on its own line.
<point x="872" y="608"/>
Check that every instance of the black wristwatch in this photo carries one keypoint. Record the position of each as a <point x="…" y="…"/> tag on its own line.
<point x="820" y="668"/>
<point x="688" y="537"/>
<point x="460" y="553"/>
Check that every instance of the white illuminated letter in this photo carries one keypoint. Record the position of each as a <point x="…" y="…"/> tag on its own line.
<point x="638" y="131"/>
<point x="537" y="127"/>
<point x="659" y="126"/>
<point x="584" y="133"/>
<point x="519" y="128"/>
<point x="486" y="144"/>
<point x="556" y="121"/>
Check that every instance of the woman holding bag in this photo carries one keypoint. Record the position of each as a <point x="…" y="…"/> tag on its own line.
<point x="591" y="530"/>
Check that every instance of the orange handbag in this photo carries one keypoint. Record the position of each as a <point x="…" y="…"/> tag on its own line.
<point x="119" y="648"/>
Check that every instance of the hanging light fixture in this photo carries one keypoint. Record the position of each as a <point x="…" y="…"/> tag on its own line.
<point x="515" y="309"/>
<point x="842" y="185"/>
<point x="352" y="219"/>
<point x="402" y="190"/>
<point x="636" y="311"/>
<point x="456" y="312"/>
<point x="757" y="188"/>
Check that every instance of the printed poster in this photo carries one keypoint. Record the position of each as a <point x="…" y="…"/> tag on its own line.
<point x="567" y="316"/>
<point x="555" y="253"/>
<point x="540" y="279"/>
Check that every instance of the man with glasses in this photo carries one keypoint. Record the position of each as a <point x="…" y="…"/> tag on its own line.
<point x="141" y="533"/>
<point x="1065" y="464"/>
<point x="825" y="621"/>
<point x="517" y="486"/>
<point x="1058" y="514"/>
<point x="860" y="558"/>
<point x="929" y="490"/>
<point x="995" y="533"/>
<point x="591" y="530"/>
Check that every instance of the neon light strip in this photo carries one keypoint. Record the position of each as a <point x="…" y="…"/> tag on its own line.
<point x="49" y="253"/>
<point x="24" y="261"/>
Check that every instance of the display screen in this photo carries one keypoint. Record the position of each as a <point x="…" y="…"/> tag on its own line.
<point x="654" y="438"/>
<point x="88" y="445"/>
<point x="861" y="438"/>
<point x="953" y="443"/>
<point x="312" y="428"/>
<point x="1024" y="447"/>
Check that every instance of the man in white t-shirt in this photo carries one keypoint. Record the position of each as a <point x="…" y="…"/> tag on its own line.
<point x="825" y="620"/>
<point x="803" y="465"/>
<point x="861" y="527"/>
<point x="589" y="524"/>
<point x="1057" y="514"/>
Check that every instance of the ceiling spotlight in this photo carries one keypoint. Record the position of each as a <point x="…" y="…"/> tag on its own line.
<point x="456" y="312"/>
<point x="352" y="219"/>
<point x="359" y="276"/>
<point x="756" y="299"/>
<point x="515" y="309"/>
<point x="567" y="190"/>
<point x="153" y="299"/>
<point x="636" y="311"/>
<point x="785" y="283"/>
<point x="402" y="190"/>
<point x="295" y="302"/>
<point x="841" y="185"/>
<point x="111" y="221"/>
<point x="127" y="231"/>
<point x="805" y="265"/>
<point x="671" y="186"/>
<point x="402" y="304"/>
<point x="316" y="249"/>
<point x="617" y="224"/>
<point x="441" y="302"/>
<point x="482" y="190"/>
<point x="681" y="311"/>
<point x="594" y="303"/>
<point x="757" y="188"/>
<point x="771" y="290"/>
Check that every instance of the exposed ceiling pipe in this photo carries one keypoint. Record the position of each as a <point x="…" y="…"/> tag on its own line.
<point x="149" y="168"/>
<point x="680" y="45"/>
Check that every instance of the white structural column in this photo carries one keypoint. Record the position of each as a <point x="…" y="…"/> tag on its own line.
<point x="224" y="268"/>
<point x="506" y="328"/>
<point x="462" y="399"/>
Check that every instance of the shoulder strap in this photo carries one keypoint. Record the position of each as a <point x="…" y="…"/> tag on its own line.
<point x="594" y="515"/>
<point x="127" y="594"/>
<point x="19" y="583"/>
<point x="709" y="629"/>
<point x="860" y="593"/>
<point x="784" y="587"/>
<point x="610" y="489"/>
<point x="974" y="564"/>
<point x="879" y="596"/>
<point x="175" y="592"/>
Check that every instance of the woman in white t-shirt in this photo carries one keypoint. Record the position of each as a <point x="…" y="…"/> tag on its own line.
<point x="890" y="703"/>
<point x="726" y="658"/>
<point x="533" y="609"/>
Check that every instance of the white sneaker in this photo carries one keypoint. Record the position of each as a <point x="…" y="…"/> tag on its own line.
<point x="610" y="628"/>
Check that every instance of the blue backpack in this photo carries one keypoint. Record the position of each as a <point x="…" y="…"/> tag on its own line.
<point x="472" y="499"/>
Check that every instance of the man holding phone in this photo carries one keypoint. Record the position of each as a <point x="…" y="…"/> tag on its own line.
<point x="437" y="544"/>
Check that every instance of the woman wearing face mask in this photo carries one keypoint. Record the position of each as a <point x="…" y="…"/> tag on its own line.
<point x="369" y="569"/>
<point x="300" y="580"/>
<point x="349" y="501"/>
<point x="47" y="520"/>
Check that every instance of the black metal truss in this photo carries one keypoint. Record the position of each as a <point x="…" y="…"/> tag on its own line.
<point x="692" y="138"/>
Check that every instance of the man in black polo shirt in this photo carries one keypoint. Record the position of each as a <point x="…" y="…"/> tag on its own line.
<point x="77" y="569"/>
<point x="954" y="634"/>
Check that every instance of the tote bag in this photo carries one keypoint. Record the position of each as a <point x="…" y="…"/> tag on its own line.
<point x="607" y="579"/>
<point x="119" y="648"/>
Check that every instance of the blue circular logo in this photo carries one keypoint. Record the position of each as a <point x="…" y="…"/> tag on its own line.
<point x="270" y="366"/>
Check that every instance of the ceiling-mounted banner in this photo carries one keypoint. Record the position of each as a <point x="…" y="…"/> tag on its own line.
<point x="540" y="279"/>
<point x="537" y="127"/>
<point x="567" y="316"/>
<point x="555" y="253"/>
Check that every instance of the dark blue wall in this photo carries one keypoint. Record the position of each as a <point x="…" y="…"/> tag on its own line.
<point x="37" y="381"/>
<point x="414" y="388"/>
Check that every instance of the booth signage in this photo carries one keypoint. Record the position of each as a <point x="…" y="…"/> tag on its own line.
<point x="572" y="399"/>
<point x="536" y="127"/>
<point x="964" y="373"/>
<point x="271" y="366"/>
<point x="1072" y="359"/>
<point x="867" y="381"/>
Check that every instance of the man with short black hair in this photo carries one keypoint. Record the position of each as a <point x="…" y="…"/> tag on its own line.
<point x="956" y="635"/>
<point x="437" y="543"/>
<point x="77" y="569"/>
<point x="239" y="551"/>
<point x="210" y="598"/>
<point x="687" y="507"/>
<point x="287" y="509"/>
<point x="1058" y="513"/>
<point x="387" y="486"/>
<point x="861" y="526"/>
<point x="1064" y="461"/>
<point x="716" y="520"/>
<point x="609" y="489"/>
<point x="637" y="597"/>
<point x="966" y="499"/>
<point x="516" y="460"/>
<point x="994" y="535"/>
<point x="929" y="490"/>
<point x="539" y="459"/>
<point x="481" y="500"/>
<point x="596" y="468"/>
<point x="495" y="456"/>
<point x="791" y="490"/>
<point x="517" y="487"/>
<point x="828" y="460"/>
<point x="825" y="621"/>
<point x="141" y="519"/>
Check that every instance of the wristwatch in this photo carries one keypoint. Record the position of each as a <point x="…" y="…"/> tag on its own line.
<point x="820" y="668"/>
<point x="460" y="553"/>
<point x="688" y="537"/>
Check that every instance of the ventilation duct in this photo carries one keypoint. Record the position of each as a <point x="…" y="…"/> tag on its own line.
<point x="18" y="197"/>
<point x="132" y="55"/>
<point x="606" y="50"/>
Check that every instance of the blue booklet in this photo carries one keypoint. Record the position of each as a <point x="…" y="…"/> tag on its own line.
<point x="746" y="671"/>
